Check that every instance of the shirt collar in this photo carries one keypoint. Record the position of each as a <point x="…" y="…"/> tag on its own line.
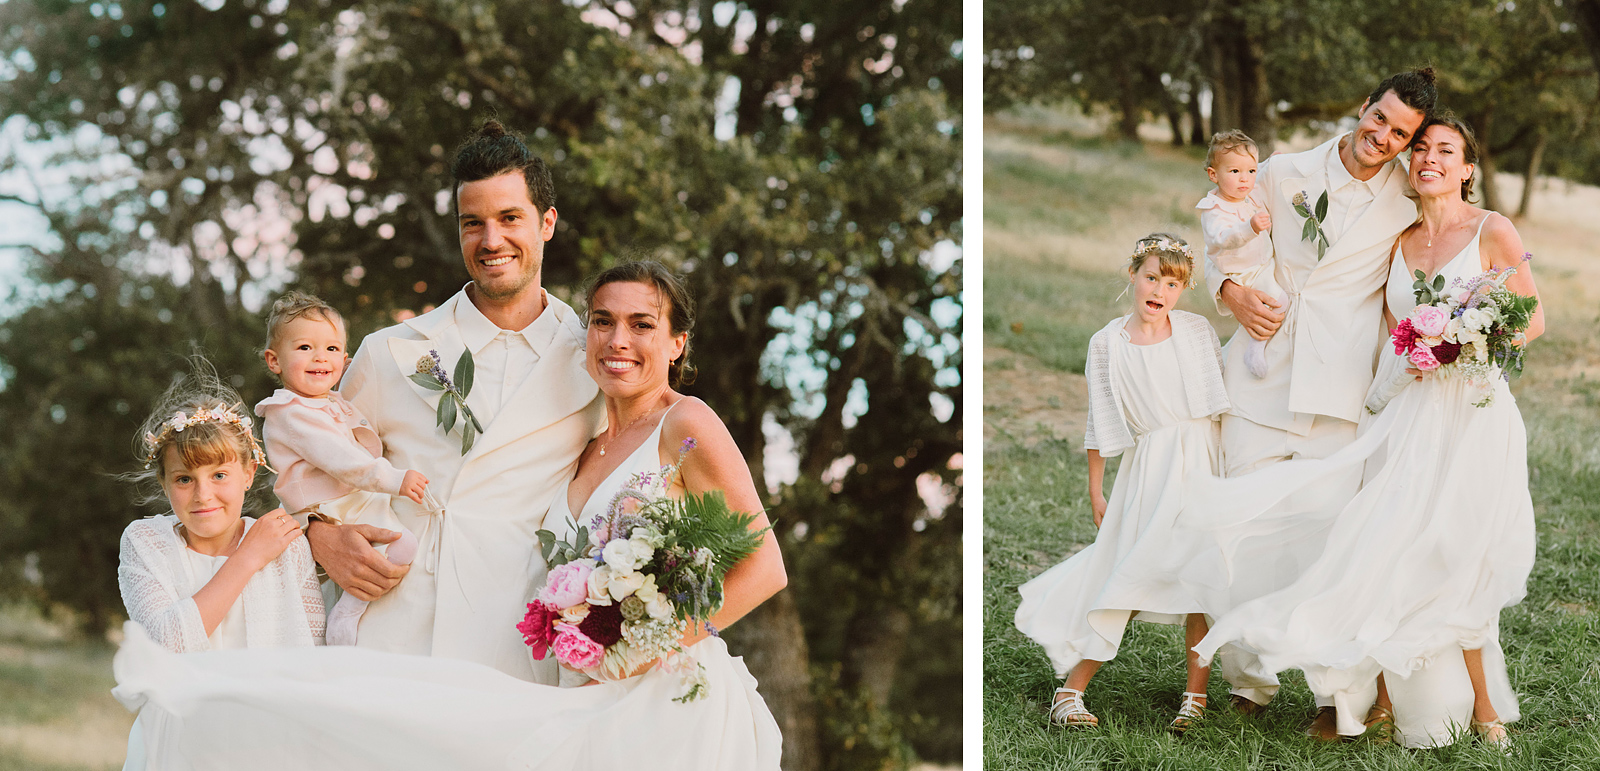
<point x="1339" y="176"/>
<point x="478" y="331"/>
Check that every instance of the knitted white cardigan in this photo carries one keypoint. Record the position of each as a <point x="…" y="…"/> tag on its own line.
<point x="282" y="602"/>
<point x="1199" y="363"/>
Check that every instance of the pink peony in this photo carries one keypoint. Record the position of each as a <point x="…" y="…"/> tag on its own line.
<point x="1422" y="358"/>
<point x="567" y="585"/>
<point x="537" y="628"/>
<point x="1404" y="337"/>
<point x="576" y="650"/>
<point x="1429" y="321"/>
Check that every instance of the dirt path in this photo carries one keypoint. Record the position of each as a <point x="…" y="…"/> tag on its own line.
<point x="1029" y="402"/>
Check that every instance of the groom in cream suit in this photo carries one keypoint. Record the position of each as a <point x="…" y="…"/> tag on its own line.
<point x="479" y="559"/>
<point x="1323" y="346"/>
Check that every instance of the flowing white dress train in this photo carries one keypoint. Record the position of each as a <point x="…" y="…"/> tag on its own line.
<point x="352" y="708"/>
<point x="1080" y="608"/>
<point x="1417" y="566"/>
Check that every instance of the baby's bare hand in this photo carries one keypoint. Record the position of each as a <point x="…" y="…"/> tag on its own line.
<point x="413" y="486"/>
<point x="1262" y="221"/>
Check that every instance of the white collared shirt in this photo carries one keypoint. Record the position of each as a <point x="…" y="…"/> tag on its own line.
<point x="1348" y="197"/>
<point x="502" y="358"/>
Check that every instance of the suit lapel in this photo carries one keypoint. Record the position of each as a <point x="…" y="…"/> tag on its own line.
<point x="557" y="386"/>
<point x="1388" y="214"/>
<point x="441" y="335"/>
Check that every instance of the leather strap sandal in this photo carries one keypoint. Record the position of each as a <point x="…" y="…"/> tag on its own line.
<point x="1070" y="712"/>
<point x="1380" y="724"/>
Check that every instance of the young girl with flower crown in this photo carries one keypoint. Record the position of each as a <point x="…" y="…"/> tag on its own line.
<point x="205" y="577"/>
<point x="330" y="460"/>
<point x="1155" y="390"/>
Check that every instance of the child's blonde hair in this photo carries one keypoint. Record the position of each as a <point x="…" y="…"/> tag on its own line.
<point x="296" y="305"/>
<point x="205" y="420"/>
<point x="1173" y="255"/>
<point x="1227" y="142"/>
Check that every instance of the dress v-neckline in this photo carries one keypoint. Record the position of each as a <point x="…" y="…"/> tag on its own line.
<point x="654" y="440"/>
<point x="1477" y="234"/>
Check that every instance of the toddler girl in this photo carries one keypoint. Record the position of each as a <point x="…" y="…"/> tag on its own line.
<point x="1155" y="387"/>
<point x="330" y="460"/>
<point x="204" y="577"/>
<point x="1235" y="224"/>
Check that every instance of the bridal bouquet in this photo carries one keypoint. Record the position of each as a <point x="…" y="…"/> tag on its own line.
<point x="1471" y="329"/>
<point x="624" y="590"/>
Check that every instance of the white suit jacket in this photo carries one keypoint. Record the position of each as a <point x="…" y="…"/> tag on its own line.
<point x="1334" y="323"/>
<point x="479" y="562"/>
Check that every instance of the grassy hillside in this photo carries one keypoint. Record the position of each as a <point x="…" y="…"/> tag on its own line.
<point x="1062" y="209"/>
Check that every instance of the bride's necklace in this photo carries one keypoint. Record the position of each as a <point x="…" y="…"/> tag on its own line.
<point x="625" y="430"/>
<point x="1441" y="230"/>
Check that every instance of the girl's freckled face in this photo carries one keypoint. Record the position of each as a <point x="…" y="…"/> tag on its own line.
<point x="1154" y="293"/>
<point x="208" y="500"/>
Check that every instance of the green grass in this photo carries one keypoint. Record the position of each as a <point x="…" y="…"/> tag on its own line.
<point x="1036" y="511"/>
<point x="56" y="710"/>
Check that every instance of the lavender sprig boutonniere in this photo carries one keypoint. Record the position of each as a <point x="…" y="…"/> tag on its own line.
<point x="1313" y="220"/>
<point x="430" y="375"/>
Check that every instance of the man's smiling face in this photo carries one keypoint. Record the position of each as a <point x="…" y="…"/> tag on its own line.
<point x="502" y="235"/>
<point x="1386" y="129"/>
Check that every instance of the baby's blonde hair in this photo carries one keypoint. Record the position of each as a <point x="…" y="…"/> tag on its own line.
<point x="296" y="305"/>
<point x="1227" y="142"/>
<point x="1173" y="256"/>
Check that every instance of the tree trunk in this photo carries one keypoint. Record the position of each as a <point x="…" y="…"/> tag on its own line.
<point x="1241" y="93"/>
<point x="1254" y="117"/>
<point x="1224" y="114"/>
<point x="1586" y="13"/>
<point x="1197" y="128"/>
<point x="1128" y="99"/>
<point x="877" y="643"/>
<point x="1534" y="159"/>
<point x="1491" y="195"/>
<point x="1175" y="119"/>
<point x="774" y="648"/>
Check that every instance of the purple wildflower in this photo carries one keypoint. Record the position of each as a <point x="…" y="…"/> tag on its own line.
<point x="688" y="444"/>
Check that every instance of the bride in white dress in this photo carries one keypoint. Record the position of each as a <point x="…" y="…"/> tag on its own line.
<point x="1402" y="608"/>
<point x="353" y="708"/>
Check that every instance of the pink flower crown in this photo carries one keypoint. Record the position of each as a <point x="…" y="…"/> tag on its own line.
<point x="181" y="420"/>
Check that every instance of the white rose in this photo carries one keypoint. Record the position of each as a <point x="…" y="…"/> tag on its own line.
<point x="655" y="603"/>
<point x="599" y="586"/>
<point x="624" y="584"/>
<point x="626" y="555"/>
<point x="1453" y="329"/>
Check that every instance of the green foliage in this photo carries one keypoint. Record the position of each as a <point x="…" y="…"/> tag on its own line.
<point x="216" y="156"/>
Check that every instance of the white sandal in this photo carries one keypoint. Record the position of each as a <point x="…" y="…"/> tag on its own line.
<point x="1070" y="711"/>
<point x="1189" y="712"/>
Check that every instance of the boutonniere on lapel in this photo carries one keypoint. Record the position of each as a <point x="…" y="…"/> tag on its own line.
<point x="430" y="375"/>
<point x="1313" y="220"/>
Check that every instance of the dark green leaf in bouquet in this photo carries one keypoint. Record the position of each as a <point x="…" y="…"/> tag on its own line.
<point x="465" y="369"/>
<point x="469" y="434"/>
<point x="447" y="412"/>
<point x="1309" y="231"/>
<point x="426" y="381"/>
<point x="1322" y="206"/>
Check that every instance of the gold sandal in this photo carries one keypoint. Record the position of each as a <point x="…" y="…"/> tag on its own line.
<point x="1492" y="734"/>
<point x="1070" y="711"/>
